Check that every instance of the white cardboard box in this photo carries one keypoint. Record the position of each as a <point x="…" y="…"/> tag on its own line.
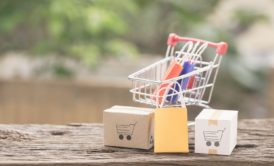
<point x="130" y="127"/>
<point x="216" y="131"/>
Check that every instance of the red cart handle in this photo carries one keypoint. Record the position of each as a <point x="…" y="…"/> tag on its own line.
<point x="221" y="48"/>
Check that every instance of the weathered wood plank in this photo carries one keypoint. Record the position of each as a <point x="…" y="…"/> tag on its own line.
<point x="82" y="144"/>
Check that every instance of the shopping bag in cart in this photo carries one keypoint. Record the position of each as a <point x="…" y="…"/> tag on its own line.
<point x="170" y="130"/>
<point x="190" y="64"/>
<point x="188" y="60"/>
<point x="174" y="70"/>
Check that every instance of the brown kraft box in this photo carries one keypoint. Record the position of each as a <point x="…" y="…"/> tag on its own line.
<point x="130" y="127"/>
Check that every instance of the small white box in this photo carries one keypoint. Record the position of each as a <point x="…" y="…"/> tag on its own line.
<point x="130" y="127"/>
<point x="216" y="131"/>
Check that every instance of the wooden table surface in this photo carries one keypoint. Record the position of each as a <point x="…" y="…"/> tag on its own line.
<point x="82" y="144"/>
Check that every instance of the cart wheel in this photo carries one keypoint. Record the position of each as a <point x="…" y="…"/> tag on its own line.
<point x="217" y="144"/>
<point x="121" y="137"/>
<point x="208" y="143"/>
<point x="128" y="137"/>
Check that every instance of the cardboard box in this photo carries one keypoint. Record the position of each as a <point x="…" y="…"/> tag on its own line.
<point x="216" y="131"/>
<point x="130" y="127"/>
<point x="171" y="130"/>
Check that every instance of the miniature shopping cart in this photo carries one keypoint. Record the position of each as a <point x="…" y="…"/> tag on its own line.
<point x="199" y="82"/>
<point x="125" y="130"/>
<point x="213" y="137"/>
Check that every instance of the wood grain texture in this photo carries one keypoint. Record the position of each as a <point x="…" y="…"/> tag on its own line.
<point x="82" y="145"/>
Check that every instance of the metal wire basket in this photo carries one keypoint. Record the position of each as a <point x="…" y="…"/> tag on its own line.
<point x="149" y="85"/>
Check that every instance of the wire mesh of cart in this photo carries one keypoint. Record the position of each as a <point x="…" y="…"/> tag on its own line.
<point x="164" y="84"/>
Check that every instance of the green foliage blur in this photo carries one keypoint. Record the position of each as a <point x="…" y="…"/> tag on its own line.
<point x="91" y="29"/>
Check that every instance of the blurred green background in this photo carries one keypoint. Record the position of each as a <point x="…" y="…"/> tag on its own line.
<point x="67" y="60"/>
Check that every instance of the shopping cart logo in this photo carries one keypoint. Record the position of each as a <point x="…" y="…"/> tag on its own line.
<point x="125" y="131"/>
<point x="213" y="137"/>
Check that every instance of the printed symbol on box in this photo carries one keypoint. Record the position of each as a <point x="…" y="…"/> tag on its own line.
<point x="125" y="130"/>
<point x="213" y="137"/>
